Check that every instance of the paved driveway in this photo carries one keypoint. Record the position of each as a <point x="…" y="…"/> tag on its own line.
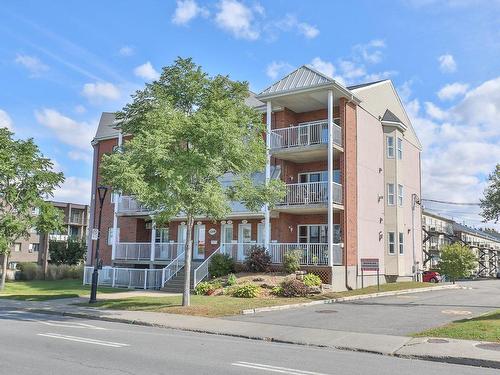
<point x="397" y="315"/>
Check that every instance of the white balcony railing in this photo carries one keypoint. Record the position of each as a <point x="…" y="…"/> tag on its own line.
<point x="125" y="277"/>
<point x="128" y="205"/>
<point x="305" y="134"/>
<point x="311" y="253"/>
<point x="310" y="193"/>
<point x="141" y="251"/>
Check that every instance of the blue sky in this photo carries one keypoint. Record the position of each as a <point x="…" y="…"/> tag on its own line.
<point x="64" y="62"/>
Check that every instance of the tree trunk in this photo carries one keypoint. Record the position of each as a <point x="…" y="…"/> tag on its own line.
<point x="5" y="257"/>
<point x="186" y="295"/>
<point x="45" y="260"/>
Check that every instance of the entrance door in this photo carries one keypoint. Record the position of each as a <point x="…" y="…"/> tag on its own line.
<point x="181" y="238"/>
<point x="199" y="242"/>
<point x="244" y="240"/>
<point x="226" y="239"/>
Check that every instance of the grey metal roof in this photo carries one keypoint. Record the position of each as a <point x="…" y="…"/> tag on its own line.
<point x="463" y="228"/>
<point x="253" y="102"/>
<point x="301" y="78"/>
<point x="389" y="116"/>
<point x="106" y="127"/>
<point x="361" y="85"/>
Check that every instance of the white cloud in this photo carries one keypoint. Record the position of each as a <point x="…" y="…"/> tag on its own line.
<point x="277" y="69"/>
<point x="309" y="31"/>
<point x="99" y="91"/>
<point x="323" y="66"/>
<point x="32" y="64"/>
<point x="126" y="51"/>
<point x="80" y="156"/>
<point x="147" y="72"/>
<point x="237" y="18"/>
<point x="187" y="10"/>
<point x="350" y="70"/>
<point x="5" y="120"/>
<point x="67" y="130"/>
<point x="370" y="52"/>
<point x="80" y="109"/>
<point x="451" y="91"/>
<point x="290" y="23"/>
<point x="434" y="111"/>
<point x="447" y="63"/>
<point x="74" y="190"/>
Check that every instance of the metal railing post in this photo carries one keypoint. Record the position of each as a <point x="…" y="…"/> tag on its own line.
<point x="113" y="275"/>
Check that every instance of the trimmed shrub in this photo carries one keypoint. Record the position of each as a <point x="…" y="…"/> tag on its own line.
<point x="231" y="279"/>
<point x="312" y="280"/>
<point x="221" y="265"/>
<point x="293" y="288"/>
<point x="291" y="260"/>
<point x="246" y="291"/>
<point x="30" y="271"/>
<point x="70" y="252"/>
<point x="258" y="260"/>
<point x="204" y="288"/>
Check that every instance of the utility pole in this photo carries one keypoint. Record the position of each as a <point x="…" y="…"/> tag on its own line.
<point x="414" y="201"/>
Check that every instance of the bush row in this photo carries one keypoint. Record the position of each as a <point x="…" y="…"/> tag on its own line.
<point x="32" y="271"/>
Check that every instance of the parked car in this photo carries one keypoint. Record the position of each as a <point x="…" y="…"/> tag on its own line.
<point x="431" y="277"/>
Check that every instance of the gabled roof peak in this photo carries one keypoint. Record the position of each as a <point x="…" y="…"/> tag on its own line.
<point x="390" y="117"/>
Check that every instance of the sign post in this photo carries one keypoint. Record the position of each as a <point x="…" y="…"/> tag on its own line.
<point x="370" y="264"/>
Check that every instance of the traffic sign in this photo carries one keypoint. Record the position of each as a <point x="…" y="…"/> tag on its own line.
<point x="95" y="234"/>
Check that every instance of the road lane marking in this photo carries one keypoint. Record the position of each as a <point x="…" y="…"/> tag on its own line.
<point x="68" y="325"/>
<point x="283" y="370"/>
<point x="84" y="340"/>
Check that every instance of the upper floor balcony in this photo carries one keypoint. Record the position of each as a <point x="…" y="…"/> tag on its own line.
<point x="305" y="142"/>
<point x="127" y="205"/>
<point x="310" y="197"/>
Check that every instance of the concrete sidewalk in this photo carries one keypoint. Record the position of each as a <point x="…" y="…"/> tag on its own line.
<point x="449" y="350"/>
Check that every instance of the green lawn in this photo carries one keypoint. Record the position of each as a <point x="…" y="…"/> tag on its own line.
<point x="41" y="290"/>
<point x="214" y="306"/>
<point x="483" y="328"/>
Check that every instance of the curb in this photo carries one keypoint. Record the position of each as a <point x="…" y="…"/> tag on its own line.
<point x="350" y="298"/>
<point x="443" y="359"/>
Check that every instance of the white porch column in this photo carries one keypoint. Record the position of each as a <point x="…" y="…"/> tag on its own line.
<point x="267" y="214"/>
<point x="330" y="178"/>
<point x="116" y="199"/>
<point x="153" y="241"/>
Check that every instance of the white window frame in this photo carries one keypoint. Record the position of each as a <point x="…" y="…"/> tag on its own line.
<point x="399" y="147"/>
<point x="308" y="235"/>
<point x="391" y="244"/>
<point x="390" y="147"/>
<point x="110" y="235"/>
<point x="400" y="195"/>
<point x="17" y="245"/>
<point x="401" y="241"/>
<point x="391" y="196"/>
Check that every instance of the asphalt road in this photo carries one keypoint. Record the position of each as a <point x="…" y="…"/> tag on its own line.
<point x="396" y="315"/>
<point x="43" y="344"/>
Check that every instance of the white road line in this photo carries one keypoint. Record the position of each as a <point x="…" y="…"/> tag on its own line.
<point x="84" y="340"/>
<point x="283" y="370"/>
<point x="67" y="325"/>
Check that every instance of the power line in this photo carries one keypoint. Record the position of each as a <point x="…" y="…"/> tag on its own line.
<point x="455" y="203"/>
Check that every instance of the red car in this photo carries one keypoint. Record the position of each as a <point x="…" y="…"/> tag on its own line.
<point x="431" y="277"/>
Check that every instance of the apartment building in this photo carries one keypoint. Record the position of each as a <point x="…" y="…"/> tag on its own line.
<point x="438" y="232"/>
<point x="350" y="160"/>
<point x="30" y="249"/>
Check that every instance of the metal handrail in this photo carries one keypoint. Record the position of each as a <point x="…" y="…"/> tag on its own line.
<point x="203" y="267"/>
<point x="173" y="268"/>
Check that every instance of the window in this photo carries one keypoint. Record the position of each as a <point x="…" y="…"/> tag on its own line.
<point x="400" y="195"/>
<point x="400" y="148"/>
<point x="390" y="147"/>
<point x="17" y="247"/>
<point x="401" y="243"/>
<point x="391" y="242"/>
<point x="110" y="235"/>
<point x="162" y="235"/>
<point x="390" y="194"/>
<point x="33" y="247"/>
<point x="312" y="233"/>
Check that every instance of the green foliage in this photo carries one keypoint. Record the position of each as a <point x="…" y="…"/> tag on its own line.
<point x="246" y="291"/>
<point x="221" y="265"/>
<point x="293" y="288"/>
<point x="69" y="252"/>
<point x="291" y="260"/>
<point x="26" y="178"/>
<point x="457" y="261"/>
<point x="277" y="290"/>
<point x="204" y="288"/>
<point x="312" y="280"/>
<point x="49" y="219"/>
<point x="258" y="260"/>
<point x="32" y="271"/>
<point x="491" y="201"/>
<point x="231" y="280"/>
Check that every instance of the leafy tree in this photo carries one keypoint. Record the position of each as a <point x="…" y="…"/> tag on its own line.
<point x="457" y="261"/>
<point x="491" y="201"/>
<point x="71" y="252"/>
<point x="50" y="219"/>
<point x="26" y="178"/>
<point x="188" y="131"/>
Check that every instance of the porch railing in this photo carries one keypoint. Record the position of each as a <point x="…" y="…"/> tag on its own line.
<point x="312" y="254"/>
<point x="310" y="193"/>
<point x="134" y="278"/>
<point x="202" y="270"/>
<point x="173" y="268"/>
<point x="305" y="134"/>
<point x="168" y="250"/>
<point x="238" y="251"/>
<point x="133" y="251"/>
<point x="128" y="204"/>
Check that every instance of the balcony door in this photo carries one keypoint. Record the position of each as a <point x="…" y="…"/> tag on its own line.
<point x="199" y="241"/>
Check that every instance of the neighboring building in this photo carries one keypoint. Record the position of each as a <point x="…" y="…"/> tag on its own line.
<point x="359" y="138"/>
<point x="30" y="249"/>
<point x="438" y="232"/>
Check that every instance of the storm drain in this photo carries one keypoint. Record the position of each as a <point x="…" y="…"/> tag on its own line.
<point x="437" y="341"/>
<point x="326" y="311"/>
<point x="489" y="346"/>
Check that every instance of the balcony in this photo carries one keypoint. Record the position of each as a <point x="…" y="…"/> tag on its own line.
<point x="310" y="196"/>
<point x="305" y="142"/>
<point x="129" y="206"/>
<point x="141" y="251"/>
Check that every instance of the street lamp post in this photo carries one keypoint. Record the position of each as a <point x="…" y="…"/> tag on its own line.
<point x="101" y="194"/>
<point x="414" y="201"/>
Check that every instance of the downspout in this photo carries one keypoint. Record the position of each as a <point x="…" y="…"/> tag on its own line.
<point x="345" y="248"/>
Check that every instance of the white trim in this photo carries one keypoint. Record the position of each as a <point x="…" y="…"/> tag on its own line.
<point x="399" y="148"/>
<point x="388" y="147"/>
<point x="400" y="195"/>
<point x="401" y="245"/>
<point x="393" y="243"/>
<point x="330" y="177"/>
<point x="393" y="195"/>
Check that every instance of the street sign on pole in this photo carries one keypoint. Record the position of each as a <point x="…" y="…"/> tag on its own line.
<point x="95" y="234"/>
<point x="370" y="264"/>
